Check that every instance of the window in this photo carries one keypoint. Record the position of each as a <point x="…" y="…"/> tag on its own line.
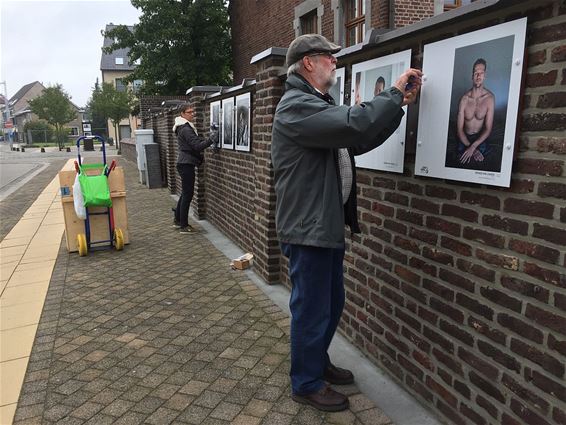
<point x="137" y="84"/>
<point x="355" y="21"/>
<point x="309" y="23"/>
<point x="137" y="61"/>
<point x="453" y="4"/>
<point x="120" y="86"/>
<point x="119" y="61"/>
<point x="73" y="131"/>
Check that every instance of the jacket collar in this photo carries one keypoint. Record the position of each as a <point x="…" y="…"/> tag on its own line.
<point x="297" y="81"/>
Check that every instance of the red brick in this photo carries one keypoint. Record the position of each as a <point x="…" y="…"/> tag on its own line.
<point x="487" y="386"/>
<point x="559" y="416"/>
<point x="487" y="406"/>
<point x="419" y="388"/>
<point x="457" y="332"/>
<point x="397" y="343"/>
<point x="550" y="234"/>
<point x="530" y="208"/>
<point x="508" y="420"/>
<point x="549" y="276"/>
<point x="484" y="237"/>
<point x="410" y="217"/>
<point x="436" y="223"/>
<point x="552" y="144"/>
<point x="560" y="301"/>
<point x="425" y="205"/>
<point x="380" y="234"/>
<point x="395" y="226"/>
<point x="457" y="280"/>
<point x="396" y="198"/>
<point x="499" y="356"/>
<point x="500" y="260"/>
<point x="460" y="213"/>
<point x="543" y="253"/>
<point x="549" y="386"/>
<point x="506" y="224"/>
<point x="395" y="255"/>
<point x="441" y="340"/>
<point x="530" y="352"/>
<point x="541" y="79"/>
<point x="537" y="58"/>
<point x="540" y="404"/>
<point x="552" y="100"/>
<point x="438" y="289"/>
<point x="546" y="318"/>
<point x="555" y="190"/>
<point x="416" y="340"/>
<point x="476" y="269"/>
<point x="373" y="245"/>
<point x="526" y="414"/>
<point x="462" y="388"/>
<point x="456" y="246"/>
<point x="439" y="257"/>
<point x="410" y="187"/>
<point x="440" y="192"/>
<point x="485" y="201"/>
<point x="425" y="267"/>
<point x="520" y="186"/>
<point x="482" y="328"/>
<point x="544" y="122"/>
<point x="441" y="391"/>
<point x="454" y="417"/>
<point x="423" y="235"/>
<point x="525" y="288"/>
<point x="410" y="367"/>
<point x="472" y="415"/>
<point x="382" y="209"/>
<point x="520" y="327"/>
<point x="384" y="183"/>
<point x="558" y="54"/>
<point x="474" y="305"/>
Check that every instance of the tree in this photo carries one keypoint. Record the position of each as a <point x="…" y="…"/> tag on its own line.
<point x="99" y="122"/>
<point x="179" y="44"/>
<point x="109" y="103"/>
<point x="54" y="106"/>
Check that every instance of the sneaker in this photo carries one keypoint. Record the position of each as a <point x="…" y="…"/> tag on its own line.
<point x="176" y="224"/>
<point x="185" y="230"/>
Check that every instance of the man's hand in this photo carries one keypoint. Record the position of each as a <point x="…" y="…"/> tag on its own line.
<point x="409" y="83"/>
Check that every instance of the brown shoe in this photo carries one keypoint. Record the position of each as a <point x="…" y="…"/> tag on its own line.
<point x="325" y="399"/>
<point x="338" y="376"/>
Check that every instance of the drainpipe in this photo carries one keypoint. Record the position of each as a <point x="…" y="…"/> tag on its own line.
<point x="391" y="14"/>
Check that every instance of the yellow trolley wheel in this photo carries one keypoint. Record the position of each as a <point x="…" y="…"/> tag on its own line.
<point x="81" y="244"/>
<point x="118" y="239"/>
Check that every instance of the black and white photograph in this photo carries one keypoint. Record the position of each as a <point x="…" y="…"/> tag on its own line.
<point x="243" y="122"/>
<point x="215" y="118"/>
<point x="369" y="79"/>
<point x="228" y="123"/>
<point x="337" y="90"/>
<point x="471" y="92"/>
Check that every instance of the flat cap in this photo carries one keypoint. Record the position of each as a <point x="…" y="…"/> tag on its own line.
<point x="307" y="44"/>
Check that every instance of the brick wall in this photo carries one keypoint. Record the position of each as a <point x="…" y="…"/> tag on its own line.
<point x="457" y="290"/>
<point x="252" y="25"/>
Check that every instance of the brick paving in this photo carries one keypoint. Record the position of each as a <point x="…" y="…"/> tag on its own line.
<point x="163" y="333"/>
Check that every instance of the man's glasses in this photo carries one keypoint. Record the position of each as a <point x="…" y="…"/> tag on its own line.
<point x="325" y="54"/>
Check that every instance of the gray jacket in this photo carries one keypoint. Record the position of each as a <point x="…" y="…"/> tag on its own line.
<point x="307" y="131"/>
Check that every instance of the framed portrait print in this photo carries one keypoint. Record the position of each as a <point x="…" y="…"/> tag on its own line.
<point x="242" y="135"/>
<point x="337" y="90"/>
<point x="368" y="80"/>
<point x="215" y="118"/>
<point x="228" y="123"/>
<point x="469" y="105"/>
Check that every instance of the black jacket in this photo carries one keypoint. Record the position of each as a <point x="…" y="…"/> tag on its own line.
<point x="190" y="145"/>
<point x="308" y="129"/>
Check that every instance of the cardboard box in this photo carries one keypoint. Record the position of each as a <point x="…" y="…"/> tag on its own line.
<point x="243" y="262"/>
<point x="99" y="229"/>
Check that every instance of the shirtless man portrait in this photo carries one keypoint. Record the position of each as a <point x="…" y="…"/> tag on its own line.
<point x="475" y="117"/>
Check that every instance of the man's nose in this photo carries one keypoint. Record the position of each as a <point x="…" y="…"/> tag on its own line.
<point x="333" y="59"/>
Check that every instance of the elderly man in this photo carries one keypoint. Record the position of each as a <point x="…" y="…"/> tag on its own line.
<point x="313" y="147"/>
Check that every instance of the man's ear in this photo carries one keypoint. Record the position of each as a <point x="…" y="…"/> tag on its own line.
<point x="307" y="63"/>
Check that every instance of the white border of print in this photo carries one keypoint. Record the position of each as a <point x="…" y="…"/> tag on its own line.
<point x="339" y="86"/>
<point x="390" y="155"/>
<point x="246" y="98"/>
<point x="228" y="108"/>
<point x="438" y="67"/>
<point x="212" y="105"/>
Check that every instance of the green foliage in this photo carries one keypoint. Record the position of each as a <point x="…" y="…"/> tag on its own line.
<point x="109" y="103"/>
<point x="54" y="106"/>
<point x="98" y="120"/>
<point x="180" y="44"/>
<point x="41" y="132"/>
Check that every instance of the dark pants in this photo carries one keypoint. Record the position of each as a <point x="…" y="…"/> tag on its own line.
<point x="187" y="173"/>
<point x="317" y="301"/>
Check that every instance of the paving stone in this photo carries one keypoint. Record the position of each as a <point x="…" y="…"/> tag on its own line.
<point x="194" y="414"/>
<point x="209" y="399"/>
<point x="373" y="417"/>
<point x="118" y="407"/>
<point x="226" y="411"/>
<point x="162" y="416"/>
<point x="194" y="387"/>
<point x="257" y="408"/>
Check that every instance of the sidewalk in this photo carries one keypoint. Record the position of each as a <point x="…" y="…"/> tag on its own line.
<point x="162" y="332"/>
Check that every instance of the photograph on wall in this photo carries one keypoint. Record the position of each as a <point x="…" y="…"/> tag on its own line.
<point x="471" y="93"/>
<point x="337" y="90"/>
<point x="368" y="80"/>
<point x="215" y="118"/>
<point x="228" y="123"/>
<point x="243" y="122"/>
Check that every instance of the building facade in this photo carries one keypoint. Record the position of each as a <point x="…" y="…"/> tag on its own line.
<point x="115" y="67"/>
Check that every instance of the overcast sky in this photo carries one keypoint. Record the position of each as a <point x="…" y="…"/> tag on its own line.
<point x="54" y="41"/>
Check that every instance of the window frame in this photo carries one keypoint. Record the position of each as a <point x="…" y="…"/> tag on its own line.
<point x="357" y="22"/>
<point x="311" y="19"/>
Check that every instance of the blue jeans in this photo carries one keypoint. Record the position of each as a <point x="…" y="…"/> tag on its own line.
<point x="317" y="301"/>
